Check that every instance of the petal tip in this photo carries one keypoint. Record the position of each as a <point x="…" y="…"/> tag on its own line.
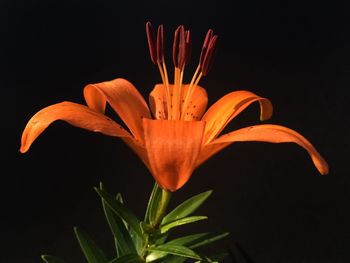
<point x="24" y="148"/>
<point x="324" y="170"/>
<point x="266" y="109"/>
<point x="321" y="164"/>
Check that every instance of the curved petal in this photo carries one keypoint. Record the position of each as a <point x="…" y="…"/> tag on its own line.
<point x="264" y="133"/>
<point x="76" y="115"/>
<point x="228" y="107"/>
<point x="158" y="102"/>
<point x="124" y="98"/>
<point x="172" y="149"/>
<point x="195" y="109"/>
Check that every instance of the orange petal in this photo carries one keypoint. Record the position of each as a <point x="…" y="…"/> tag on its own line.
<point x="124" y="98"/>
<point x="264" y="133"/>
<point x="197" y="103"/>
<point x="196" y="107"/>
<point x="73" y="113"/>
<point x="172" y="148"/>
<point x="228" y="107"/>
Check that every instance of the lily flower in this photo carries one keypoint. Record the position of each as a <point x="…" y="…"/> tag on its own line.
<point x="175" y="134"/>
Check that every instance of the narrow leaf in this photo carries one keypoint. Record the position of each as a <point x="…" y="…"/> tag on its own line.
<point x="51" y="259"/>
<point x="158" y="207"/>
<point x="137" y="240"/>
<point x="123" y="240"/>
<point x="122" y="211"/>
<point x="208" y="239"/>
<point x="183" y="221"/>
<point x="187" y="207"/>
<point x="130" y="258"/>
<point x="91" y="251"/>
<point x="176" y="250"/>
<point x="155" y="255"/>
<point x="190" y="239"/>
<point x="153" y="199"/>
<point x="119" y="198"/>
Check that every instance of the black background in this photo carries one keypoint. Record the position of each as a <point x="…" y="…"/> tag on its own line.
<point x="270" y="197"/>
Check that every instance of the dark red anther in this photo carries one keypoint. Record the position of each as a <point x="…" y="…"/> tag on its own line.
<point x="182" y="48"/>
<point x="188" y="47"/>
<point x="206" y="42"/>
<point x="160" y="44"/>
<point x="209" y="56"/>
<point x="179" y="47"/>
<point x="151" y="42"/>
<point x="176" y="46"/>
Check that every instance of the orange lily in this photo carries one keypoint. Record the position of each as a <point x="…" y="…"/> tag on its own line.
<point x="175" y="135"/>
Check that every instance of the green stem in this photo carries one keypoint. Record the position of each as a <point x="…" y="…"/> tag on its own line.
<point x="162" y="207"/>
<point x="156" y="210"/>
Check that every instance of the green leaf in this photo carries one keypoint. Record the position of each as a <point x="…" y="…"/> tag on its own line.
<point x="123" y="239"/>
<point x="155" y="256"/>
<point x="91" y="251"/>
<point x="51" y="259"/>
<point x="210" y="238"/>
<point x="138" y="241"/>
<point x="183" y="221"/>
<point x="187" y="207"/>
<point x="157" y="206"/>
<point x="176" y="250"/>
<point x="118" y="197"/>
<point x="130" y="258"/>
<point x="122" y="211"/>
<point x="187" y="240"/>
<point x="197" y="240"/>
<point x="154" y="199"/>
<point x="191" y="241"/>
<point x="146" y="228"/>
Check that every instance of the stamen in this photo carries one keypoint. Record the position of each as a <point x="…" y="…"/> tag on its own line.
<point x="176" y="47"/>
<point x="188" y="47"/>
<point x="151" y="42"/>
<point x="161" y="72"/>
<point x="182" y="48"/>
<point x="162" y="66"/>
<point x="182" y="62"/>
<point x="179" y="61"/>
<point x="176" y="97"/>
<point x="178" y="103"/>
<point x="168" y="97"/>
<point x="209" y="56"/>
<point x="207" y="39"/>
<point x="205" y="60"/>
<point x="179" y="47"/>
<point x="160" y="44"/>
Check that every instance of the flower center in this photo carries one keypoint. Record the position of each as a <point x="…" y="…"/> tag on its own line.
<point x="181" y="56"/>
